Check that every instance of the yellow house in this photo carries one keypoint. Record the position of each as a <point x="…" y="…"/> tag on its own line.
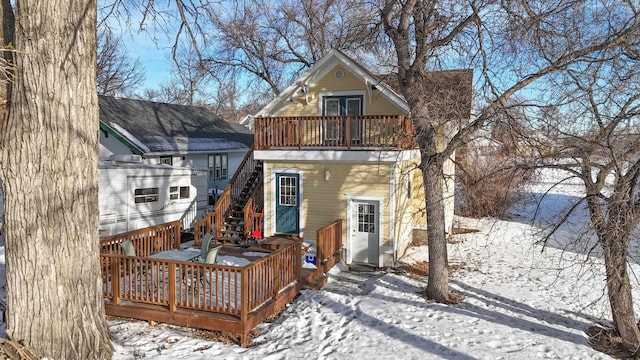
<point x="338" y="144"/>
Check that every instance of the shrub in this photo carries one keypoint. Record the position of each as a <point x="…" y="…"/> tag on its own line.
<point x="488" y="185"/>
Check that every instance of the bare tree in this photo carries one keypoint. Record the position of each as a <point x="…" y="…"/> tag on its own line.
<point x="116" y="73"/>
<point x="48" y="152"/>
<point x="598" y="119"/>
<point x="275" y="41"/>
<point x="423" y="32"/>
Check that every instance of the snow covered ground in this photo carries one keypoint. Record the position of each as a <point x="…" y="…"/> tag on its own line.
<point x="520" y="302"/>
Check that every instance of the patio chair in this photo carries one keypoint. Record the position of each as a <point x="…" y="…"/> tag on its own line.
<point x="204" y="248"/>
<point x="135" y="268"/>
<point x="193" y="279"/>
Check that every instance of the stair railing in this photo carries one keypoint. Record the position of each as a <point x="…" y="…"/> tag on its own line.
<point x="215" y="220"/>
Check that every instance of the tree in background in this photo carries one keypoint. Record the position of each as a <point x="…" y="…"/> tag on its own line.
<point x="598" y="121"/>
<point x="116" y="73"/>
<point x="49" y="157"/>
<point x="538" y="38"/>
<point x="275" y="41"/>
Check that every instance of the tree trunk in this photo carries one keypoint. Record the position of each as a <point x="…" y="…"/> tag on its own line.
<point x="49" y="152"/>
<point x="619" y="291"/>
<point x="438" y="286"/>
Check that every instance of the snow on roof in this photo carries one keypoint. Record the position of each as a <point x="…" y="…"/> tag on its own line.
<point x="129" y="136"/>
<point x="178" y="143"/>
<point x="110" y="164"/>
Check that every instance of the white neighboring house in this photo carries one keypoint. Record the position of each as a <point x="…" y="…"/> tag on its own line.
<point x="133" y="195"/>
<point x="178" y="135"/>
<point x="247" y="122"/>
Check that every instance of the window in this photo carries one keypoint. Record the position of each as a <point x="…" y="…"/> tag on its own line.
<point x="366" y="218"/>
<point x="218" y="167"/>
<point x="181" y="192"/>
<point x="288" y="191"/>
<point x="334" y="129"/>
<point x="166" y="160"/>
<point x="145" y="195"/>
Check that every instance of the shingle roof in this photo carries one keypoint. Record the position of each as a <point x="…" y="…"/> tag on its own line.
<point x="163" y="127"/>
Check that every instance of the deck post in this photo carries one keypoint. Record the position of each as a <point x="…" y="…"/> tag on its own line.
<point x="115" y="279"/>
<point x="172" y="286"/>
<point x="244" y="296"/>
<point x="176" y="239"/>
<point x="298" y="262"/>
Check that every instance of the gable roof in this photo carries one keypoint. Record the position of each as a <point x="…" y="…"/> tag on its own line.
<point x="319" y="69"/>
<point x="153" y="127"/>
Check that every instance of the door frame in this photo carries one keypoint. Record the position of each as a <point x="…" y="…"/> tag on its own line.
<point x="351" y="224"/>
<point x="273" y="201"/>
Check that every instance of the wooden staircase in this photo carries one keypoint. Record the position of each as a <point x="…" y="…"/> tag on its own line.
<point x="236" y="217"/>
<point x="242" y="211"/>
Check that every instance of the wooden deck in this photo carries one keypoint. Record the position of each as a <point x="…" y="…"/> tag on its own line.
<point x="214" y="297"/>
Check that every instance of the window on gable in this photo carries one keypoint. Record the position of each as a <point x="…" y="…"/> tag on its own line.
<point x="335" y="129"/>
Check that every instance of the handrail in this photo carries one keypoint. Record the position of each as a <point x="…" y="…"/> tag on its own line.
<point x="223" y="205"/>
<point x="365" y="131"/>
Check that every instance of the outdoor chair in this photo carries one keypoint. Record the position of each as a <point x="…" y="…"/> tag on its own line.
<point x="135" y="268"/>
<point x="192" y="279"/>
<point x="204" y="248"/>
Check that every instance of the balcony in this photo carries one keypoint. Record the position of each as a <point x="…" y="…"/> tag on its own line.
<point x="391" y="132"/>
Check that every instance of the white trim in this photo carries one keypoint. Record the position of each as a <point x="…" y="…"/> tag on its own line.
<point x="392" y="206"/>
<point x="350" y="221"/>
<point x="338" y="155"/>
<point x="321" y="68"/>
<point x="347" y="93"/>
<point x="273" y="202"/>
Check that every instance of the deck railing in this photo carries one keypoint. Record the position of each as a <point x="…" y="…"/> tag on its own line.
<point x="146" y="241"/>
<point x="366" y="131"/>
<point x="329" y="244"/>
<point x="241" y="292"/>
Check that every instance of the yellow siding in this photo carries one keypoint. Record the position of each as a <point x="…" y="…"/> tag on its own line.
<point x="409" y="203"/>
<point x="377" y="105"/>
<point x="325" y="201"/>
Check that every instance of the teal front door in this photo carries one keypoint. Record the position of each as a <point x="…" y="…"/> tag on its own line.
<point x="287" y="204"/>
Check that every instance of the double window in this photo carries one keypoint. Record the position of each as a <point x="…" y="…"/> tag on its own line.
<point x="178" y="192"/>
<point x="335" y="129"/>
<point x="218" y="167"/>
<point x="146" y="195"/>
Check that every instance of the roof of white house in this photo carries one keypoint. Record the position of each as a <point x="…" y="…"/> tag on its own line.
<point x="154" y="127"/>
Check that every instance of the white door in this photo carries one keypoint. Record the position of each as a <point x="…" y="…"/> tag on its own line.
<point x="365" y="241"/>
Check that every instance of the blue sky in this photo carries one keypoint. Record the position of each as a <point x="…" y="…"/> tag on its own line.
<point x="155" y="58"/>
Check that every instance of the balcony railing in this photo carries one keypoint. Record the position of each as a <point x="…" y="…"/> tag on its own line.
<point x="350" y="132"/>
